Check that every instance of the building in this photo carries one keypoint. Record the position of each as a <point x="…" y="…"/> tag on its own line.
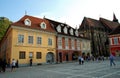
<point x="29" y="38"/>
<point x="69" y="42"/>
<point x="97" y="31"/>
<point x="114" y="38"/>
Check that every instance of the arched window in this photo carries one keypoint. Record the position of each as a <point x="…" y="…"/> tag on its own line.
<point x="43" y="25"/>
<point x="27" y="22"/>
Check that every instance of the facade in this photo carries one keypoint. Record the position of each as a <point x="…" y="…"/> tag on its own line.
<point x="94" y="30"/>
<point x="86" y="46"/>
<point x="29" y="38"/>
<point x="43" y="41"/>
<point x="114" y="38"/>
<point x="69" y="42"/>
<point x="97" y="31"/>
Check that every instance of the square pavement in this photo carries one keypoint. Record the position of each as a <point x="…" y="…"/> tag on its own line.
<point x="90" y="69"/>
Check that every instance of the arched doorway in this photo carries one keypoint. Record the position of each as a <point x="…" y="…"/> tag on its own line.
<point x="67" y="57"/>
<point x="75" y="55"/>
<point x="60" y="57"/>
<point x="50" y="57"/>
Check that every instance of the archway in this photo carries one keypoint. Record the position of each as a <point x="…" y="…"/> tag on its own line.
<point x="50" y="57"/>
<point x="75" y="55"/>
<point x="60" y="57"/>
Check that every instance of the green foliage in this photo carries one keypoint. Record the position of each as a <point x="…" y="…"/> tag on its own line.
<point x="4" y="24"/>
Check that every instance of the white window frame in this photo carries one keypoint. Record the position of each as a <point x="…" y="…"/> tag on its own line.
<point x="59" y="28"/>
<point x="39" y="40"/>
<point x="65" y="30"/>
<point x="115" y="39"/>
<point x="78" y="44"/>
<point x="27" y="22"/>
<point x="59" y="42"/>
<point x="50" y="41"/>
<point x="73" y="44"/>
<point x="66" y="43"/>
<point x="43" y="25"/>
<point x="20" y="38"/>
<point x="71" y="31"/>
<point x="30" y="39"/>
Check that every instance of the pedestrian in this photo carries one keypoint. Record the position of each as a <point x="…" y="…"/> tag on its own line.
<point x="79" y="59"/>
<point x="4" y="65"/>
<point x="82" y="60"/>
<point x="13" y="64"/>
<point x="111" y="58"/>
<point x="0" y="65"/>
<point x="102" y="58"/>
<point x="30" y="62"/>
<point x="17" y="64"/>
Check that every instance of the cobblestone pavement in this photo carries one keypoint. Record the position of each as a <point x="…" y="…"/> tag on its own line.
<point x="67" y="70"/>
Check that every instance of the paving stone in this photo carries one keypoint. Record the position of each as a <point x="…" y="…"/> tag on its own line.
<point x="66" y="70"/>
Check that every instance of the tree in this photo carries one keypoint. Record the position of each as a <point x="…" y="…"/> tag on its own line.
<point x="4" y="24"/>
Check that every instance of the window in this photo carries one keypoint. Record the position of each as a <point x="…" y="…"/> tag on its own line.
<point x="72" y="43"/>
<point x="30" y="54"/>
<point x="22" y="55"/>
<point x="43" y="25"/>
<point x="78" y="44"/>
<point x="27" y="22"/>
<point x="115" y="40"/>
<point x="59" y="28"/>
<point x="60" y="41"/>
<point x="38" y="55"/>
<point x="83" y="44"/>
<point x="71" y="31"/>
<point x="30" y="39"/>
<point x="66" y="43"/>
<point x="65" y="30"/>
<point x="39" y="40"/>
<point x="20" y="38"/>
<point x="76" y="32"/>
<point x="49" y="41"/>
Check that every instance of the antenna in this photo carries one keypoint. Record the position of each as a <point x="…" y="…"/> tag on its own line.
<point x="43" y="16"/>
<point x="25" y="12"/>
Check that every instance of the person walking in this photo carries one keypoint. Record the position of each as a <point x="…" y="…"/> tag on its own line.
<point x="13" y="64"/>
<point x="111" y="58"/>
<point x="30" y="62"/>
<point x="0" y="65"/>
<point x="4" y="65"/>
<point x="17" y="64"/>
<point x="79" y="59"/>
<point x="82" y="60"/>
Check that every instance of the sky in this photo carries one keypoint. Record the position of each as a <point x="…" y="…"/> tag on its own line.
<point x="70" y="12"/>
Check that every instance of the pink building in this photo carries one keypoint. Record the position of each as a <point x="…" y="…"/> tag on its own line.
<point x="114" y="38"/>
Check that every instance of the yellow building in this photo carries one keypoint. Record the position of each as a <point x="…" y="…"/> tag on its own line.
<point x="29" y="38"/>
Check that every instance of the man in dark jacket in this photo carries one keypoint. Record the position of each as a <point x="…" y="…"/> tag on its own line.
<point x="4" y="65"/>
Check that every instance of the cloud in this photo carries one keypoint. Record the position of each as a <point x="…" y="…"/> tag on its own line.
<point x="72" y="12"/>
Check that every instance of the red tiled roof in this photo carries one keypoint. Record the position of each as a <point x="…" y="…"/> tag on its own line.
<point x="110" y="24"/>
<point x="35" y="23"/>
<point x="115" y="31"/>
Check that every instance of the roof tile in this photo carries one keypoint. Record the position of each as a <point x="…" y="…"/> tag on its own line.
<point x="35" y="23"/>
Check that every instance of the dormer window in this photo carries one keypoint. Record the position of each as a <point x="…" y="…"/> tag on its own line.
<point x="71" y="31"/>
<point x="59" y="28"/>
<point x="65" y="30"/>
<point x="76" y="32"/>
<point x="27" y="22"/>
<point x="43" y="25"/>
<point x="62" y="24"/>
